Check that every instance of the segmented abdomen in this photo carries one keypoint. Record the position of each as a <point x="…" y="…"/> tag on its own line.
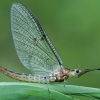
<point x="27" y="77"/>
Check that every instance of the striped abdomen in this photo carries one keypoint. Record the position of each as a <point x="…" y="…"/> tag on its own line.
<point x="27" y="77"/>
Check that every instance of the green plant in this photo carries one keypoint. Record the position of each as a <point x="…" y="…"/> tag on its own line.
<point x="36" y="91"/>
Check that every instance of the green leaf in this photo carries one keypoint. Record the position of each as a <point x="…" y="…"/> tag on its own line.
<point x="29" y="91"/>
<point x="36" y="91"/>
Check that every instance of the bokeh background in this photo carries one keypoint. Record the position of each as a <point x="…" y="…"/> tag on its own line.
<point x="73" y="26"/>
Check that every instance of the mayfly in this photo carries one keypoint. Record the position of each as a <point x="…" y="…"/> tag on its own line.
<point x="35" y="50"/>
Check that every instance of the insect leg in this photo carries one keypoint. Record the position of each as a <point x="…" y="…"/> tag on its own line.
<point x="47" y="81"/>
<point x="65" y="82"/>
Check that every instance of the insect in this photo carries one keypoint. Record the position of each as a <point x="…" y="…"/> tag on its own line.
<point x="35" y="50"/>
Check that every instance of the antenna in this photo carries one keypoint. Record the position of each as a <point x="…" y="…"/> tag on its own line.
<point x="87" y="70"/>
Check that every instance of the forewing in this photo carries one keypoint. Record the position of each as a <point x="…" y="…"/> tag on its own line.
<point x="33" y="47"/>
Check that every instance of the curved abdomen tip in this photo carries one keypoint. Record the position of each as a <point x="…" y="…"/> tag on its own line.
<point x="1" y="68"/>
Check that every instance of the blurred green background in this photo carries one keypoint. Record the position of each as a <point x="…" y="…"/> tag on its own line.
<point x="73" y="26"/>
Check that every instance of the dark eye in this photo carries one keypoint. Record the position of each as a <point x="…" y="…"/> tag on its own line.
<point x="77" y="71"/>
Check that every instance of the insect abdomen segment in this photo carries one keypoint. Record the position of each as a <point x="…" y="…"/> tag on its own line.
<point x="26" y="77"/>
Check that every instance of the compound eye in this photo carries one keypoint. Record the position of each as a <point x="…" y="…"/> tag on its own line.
<point x="77" y="71"/>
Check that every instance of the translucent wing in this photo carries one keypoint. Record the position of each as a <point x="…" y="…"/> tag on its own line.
<point x="33" y="47"/>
